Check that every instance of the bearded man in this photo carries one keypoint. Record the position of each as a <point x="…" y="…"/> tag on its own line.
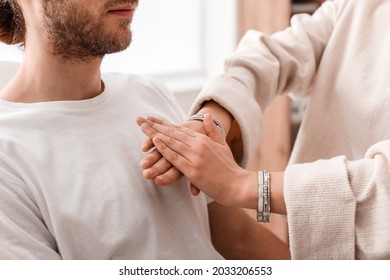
<point x="70" y="182"/>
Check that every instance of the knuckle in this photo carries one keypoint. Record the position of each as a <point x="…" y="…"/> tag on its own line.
<point x="201" y="144"/>
<point x="194" y="174"/>
<point x="158" y="143"/>
<point x="175" y="157"/>
<point x="198" y="162"/>
<point x="172" y="141"/>
<point x="149" y="123"/>
<point x="162" y="147"/>
<point x="171" y="131"/>
<point x="155" y="120"/>
<point x="204" y="141"/>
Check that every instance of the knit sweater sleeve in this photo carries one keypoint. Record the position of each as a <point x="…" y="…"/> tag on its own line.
<point x="339" y="209"/>
<point x="265" y="66"/>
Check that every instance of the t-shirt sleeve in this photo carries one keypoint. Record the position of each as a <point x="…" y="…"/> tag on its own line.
<point x="23" y="234"/>
<point x="169" y="103"/>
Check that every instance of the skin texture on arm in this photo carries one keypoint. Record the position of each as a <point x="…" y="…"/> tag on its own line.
<point x="236" y="236"/>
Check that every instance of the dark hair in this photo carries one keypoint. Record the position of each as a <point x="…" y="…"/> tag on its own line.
<point x="12" y="25"/>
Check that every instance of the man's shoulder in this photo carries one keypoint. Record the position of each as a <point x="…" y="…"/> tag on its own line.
<point x="127" y="81"/>
<point x="143" y="92"/>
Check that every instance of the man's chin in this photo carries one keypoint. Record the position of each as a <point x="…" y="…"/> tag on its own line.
<point x="119" y="47"/>
<point x="118" y="42"/>
<point x="88" y="46"/>
<point x="87" y="55"/>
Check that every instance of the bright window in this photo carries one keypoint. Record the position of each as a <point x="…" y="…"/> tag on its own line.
<point x="165" y="39"/>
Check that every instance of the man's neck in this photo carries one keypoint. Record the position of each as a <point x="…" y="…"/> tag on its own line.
<point x="44" y="78"/>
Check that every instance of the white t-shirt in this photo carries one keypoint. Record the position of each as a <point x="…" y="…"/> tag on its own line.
<point x="71" y="186"/>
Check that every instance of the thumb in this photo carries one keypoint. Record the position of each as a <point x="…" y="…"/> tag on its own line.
<point x="212" y="130"/>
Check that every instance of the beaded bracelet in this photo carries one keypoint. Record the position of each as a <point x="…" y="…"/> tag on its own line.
<point x="264" y="196"/>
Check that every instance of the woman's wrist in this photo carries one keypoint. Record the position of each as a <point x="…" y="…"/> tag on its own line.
<point x="230" y="126"/>
<point x="245" y="193"/>
<point x="217" y="112"/>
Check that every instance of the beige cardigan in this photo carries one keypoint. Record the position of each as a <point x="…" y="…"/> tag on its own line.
<point x="337" y="186"/>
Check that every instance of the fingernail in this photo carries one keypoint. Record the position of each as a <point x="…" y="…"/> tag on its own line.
<point x="148" y="174"/>
<point x="159" y="180"/>
<point x="149" y="122"/>
<point x="145" y="163"/>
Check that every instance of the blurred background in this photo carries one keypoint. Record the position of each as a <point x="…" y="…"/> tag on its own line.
<point x="184" y="42"/>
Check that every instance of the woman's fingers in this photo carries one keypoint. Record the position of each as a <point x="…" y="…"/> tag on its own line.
<point x="174" y="146"/>
<point x="174" y="151"/>
<point x="156" y="166"/>
<point x="140" y="121"/>
<point x="173" y="137"/>
<point x="150" y="128"/>
<point x="148" y="144"/>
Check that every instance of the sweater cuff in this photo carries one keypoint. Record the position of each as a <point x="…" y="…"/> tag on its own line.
<point x="320" y="210"/>
<point x="230" y="94"/>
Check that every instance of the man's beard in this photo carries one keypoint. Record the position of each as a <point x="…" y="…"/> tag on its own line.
<point x="74" y="34"/>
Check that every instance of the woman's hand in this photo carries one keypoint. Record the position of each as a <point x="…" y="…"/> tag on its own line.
<point x="155" y="166"/>
<point x="206" y="160"/>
